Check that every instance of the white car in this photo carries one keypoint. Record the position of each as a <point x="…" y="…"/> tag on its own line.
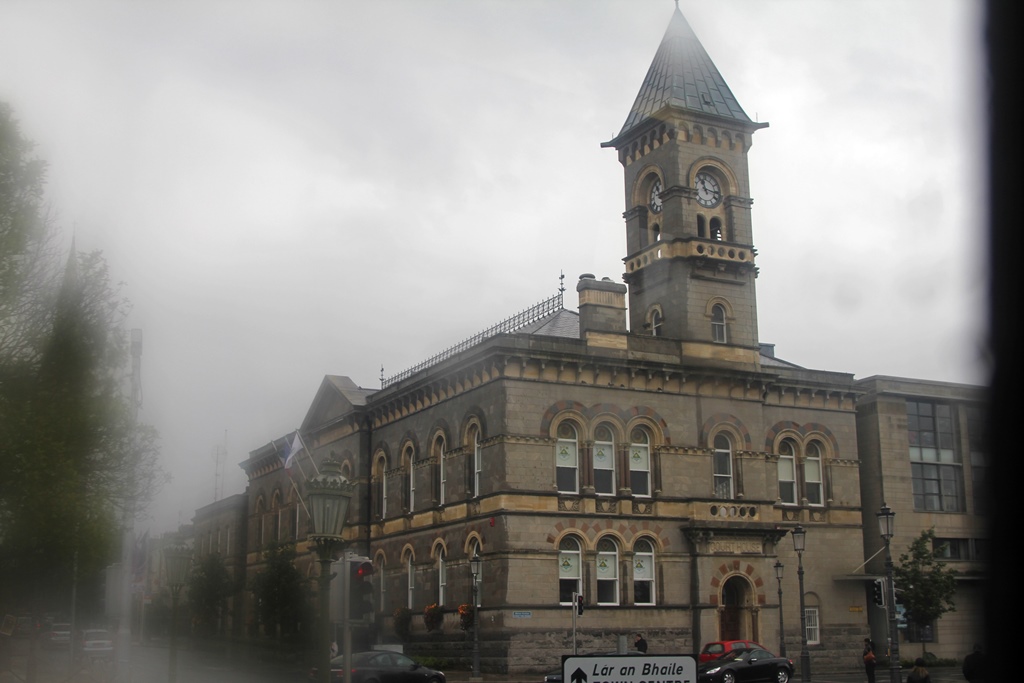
<point x="96" y="643"/>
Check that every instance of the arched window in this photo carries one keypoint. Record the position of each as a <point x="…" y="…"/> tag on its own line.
<point x="812" y="474"/>
<point x="787" y="472"/>
<point x="604" y="461"/>
<point x="567" y="459"/>
<point x="382" y="585"/>
<point x="801" y="473"/>
<point x="380" y="497"/>
<point x="476" y="465"/>
<point x="656" y="321"/>
<point x="408" y="464"/>
<point x="643" y="572"/>
<point x="410" y="582"/>
<point x="702" y="228"/>
<point x="260" y="526"/>
<point x="570" y="570"/>
<point x="437" y="454"/>
<point x="607" y="568"/>
<point x="442" y="577"/>
<point x="275" y="517"/>
<point x="640" y="462"/>
<point x="723" y="467"/>
<point x="476" y="550"/>
<point x="716" y="229"/>
<point x="719" y="332"/>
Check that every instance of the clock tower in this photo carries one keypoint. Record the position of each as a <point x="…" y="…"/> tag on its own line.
<point x="689" y="247"/>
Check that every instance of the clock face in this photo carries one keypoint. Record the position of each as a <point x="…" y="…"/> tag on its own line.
<point x="708" y="191"/>
<point x="655" y="202"/>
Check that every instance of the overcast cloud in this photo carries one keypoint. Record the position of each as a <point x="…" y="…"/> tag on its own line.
<point x="294" y="189"/>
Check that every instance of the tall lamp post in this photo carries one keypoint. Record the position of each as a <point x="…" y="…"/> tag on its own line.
<point x="329" y="495"/>
<point x="887" y="527"/>
<point x="782" y="633"/>
<point x="799" y="544"/>
<point x="474" y="568"/>
<point x="177" y="559"/>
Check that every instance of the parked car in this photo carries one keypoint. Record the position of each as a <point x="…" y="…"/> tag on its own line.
<point x="96" y="643"/>
<point x="382" y="667"/>
<point x="717" y="648"/>
<point x="748" y="665"/>
<point x="25" y="628"/>
<point x="59" y="636"/>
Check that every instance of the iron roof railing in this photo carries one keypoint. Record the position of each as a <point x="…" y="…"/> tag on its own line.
<point x="511" y="324"/>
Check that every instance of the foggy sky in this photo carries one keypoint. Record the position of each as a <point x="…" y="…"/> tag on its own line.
<point x="294" y="189"/>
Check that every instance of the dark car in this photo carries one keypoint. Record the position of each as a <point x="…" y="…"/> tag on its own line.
<point x="382" y="667"/>
<point x="717" y="648"/>
<point x="746" y="666"/>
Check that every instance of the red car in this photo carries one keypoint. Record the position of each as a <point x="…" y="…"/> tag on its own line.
<point x="717" y="648"/>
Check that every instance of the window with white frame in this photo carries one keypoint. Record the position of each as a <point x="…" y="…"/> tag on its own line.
<point x="812" y="474"/>
<point x="604" y="461"/>
<point x="936" y="473"/>
<point x="723" y="466"/>
<point x="607" y="569"/>
<point x="813" y="632"/>
<point x="382" y="587"/>
<point x="380" y="486"/>
<point x="438" y="455"/>
<point x="570" y="570"/>
<point x="787" y="472"/>
<point x="410" y="582"/>
<point x="640" y="462"/>
<point x="643" y="572"/>
<point x="719" y="331"/>
<point x="477" y="464"/>
<point x="408" y="456"/>
<point x="442" y="576"/>
<point x="475" y="551"/>
<point x="567" y="459"/>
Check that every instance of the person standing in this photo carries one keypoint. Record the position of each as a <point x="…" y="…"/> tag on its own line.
<point x="640" y="643"/>
<point x="870" y="660"/>
<point x="919" y="674"/>
<point x="974" y="666"/>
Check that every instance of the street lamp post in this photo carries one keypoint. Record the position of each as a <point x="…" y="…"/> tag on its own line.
<point x="177" y="559"/>
<point x="799" y="543"/>
<point x="782" y="633"/>
<point x="887" y="528"/>
<point x="474" y="568"/>
<point x="329" y="495"/>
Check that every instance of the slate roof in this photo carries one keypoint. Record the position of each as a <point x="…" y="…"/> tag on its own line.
<point x="682" y="75"/>
<point x="561" y="323"/>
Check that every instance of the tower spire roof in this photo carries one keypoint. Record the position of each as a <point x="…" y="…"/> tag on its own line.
<point x="683" y="76"/>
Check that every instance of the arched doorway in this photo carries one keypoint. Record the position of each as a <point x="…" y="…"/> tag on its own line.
<point x="736" y="621"/>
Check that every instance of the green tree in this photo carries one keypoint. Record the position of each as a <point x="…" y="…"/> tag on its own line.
<point x="72" y="455"/>
<point x="209" y="587"/>
<point x="280" y="592"/>
<point x="925" y="585"/>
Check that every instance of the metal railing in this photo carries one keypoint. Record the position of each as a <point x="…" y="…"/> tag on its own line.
<point x="511" y="324"/>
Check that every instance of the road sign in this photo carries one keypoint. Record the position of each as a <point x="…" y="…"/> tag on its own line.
<point x="630" y="669"/>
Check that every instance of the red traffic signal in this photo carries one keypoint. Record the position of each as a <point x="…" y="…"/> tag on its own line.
<point x="360" y="597"/>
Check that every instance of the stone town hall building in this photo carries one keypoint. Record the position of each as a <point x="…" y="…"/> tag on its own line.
<point x="647" y="451"/>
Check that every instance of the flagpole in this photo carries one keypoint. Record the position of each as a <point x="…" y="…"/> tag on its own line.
<point x="308" y="452"/>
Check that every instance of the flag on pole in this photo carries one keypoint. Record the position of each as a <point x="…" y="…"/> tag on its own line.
<point x="289" y="456"/>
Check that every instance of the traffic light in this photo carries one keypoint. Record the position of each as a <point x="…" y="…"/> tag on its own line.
<point x="360" y="595"/>
<point x="878" y="592"/>
<point x="579" y="605"/>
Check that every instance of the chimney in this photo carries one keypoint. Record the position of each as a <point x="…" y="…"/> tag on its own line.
<point x="602" y="305"/>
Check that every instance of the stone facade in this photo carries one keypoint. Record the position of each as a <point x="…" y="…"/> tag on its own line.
<point x="942" y="490"/>
<point x="655" y="467"/>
